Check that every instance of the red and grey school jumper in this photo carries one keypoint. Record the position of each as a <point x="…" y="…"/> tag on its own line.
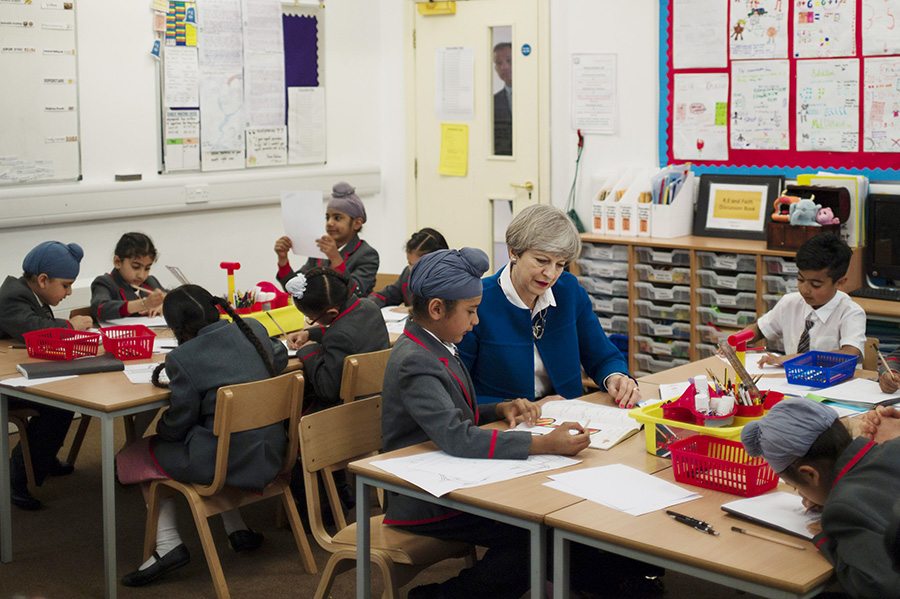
<point x="110" y="294"/>
<point x="22" y="312"/>
<point x="428" y="395"/>
<point x="856" y="515"/>
<point x="360" y="265"/>
<point x="358" y="328"/>
<point x="395" y="294"/>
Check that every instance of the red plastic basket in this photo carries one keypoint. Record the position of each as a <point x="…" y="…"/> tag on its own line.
<point x="130" y="342"/>
<point x="61" y="344"/>
<point x="721" y="465"/>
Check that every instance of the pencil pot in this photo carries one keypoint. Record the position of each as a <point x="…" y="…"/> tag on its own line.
<point x="131" y="342"/>
<point x="61" y="344"/>
<point x="819" y="369"/>
<point x="721" y="465"/>
<point x="754" y="411"/>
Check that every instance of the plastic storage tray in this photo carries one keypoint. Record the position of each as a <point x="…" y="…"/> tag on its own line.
<point x="741" y="282"/>
<point x="706" y="350"/>
<point x="678" y="293"/>
<point x="610" y="305"/>
<point x="709" y="334"/>
<point x="61" y="344"/>
<point x="616" y="287"/>
<point x="676" y="330"/>
<point x="734" y="262"/>
<point x="129" y="342"/>
<point x="614" y="270"/>
<point x="598" y="251"/>
<point x="676" y="349"/>
<point x="743" y="300"/>
<point x="651" y="256"/>
<point x="651" y="364"/>
<point x="776" y="265"/>
<point x="615" y="324"/>
<point x="740" y="318"/>
<point x="679" y="276"/>
<point x="820" y="369"/>
<point x="721" y="465"/>
<point x="648" y="309"/>
<point x="779" y="284"/>
<point x="771" y="300"/>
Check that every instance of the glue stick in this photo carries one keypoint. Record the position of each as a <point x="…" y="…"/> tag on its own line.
<point x="726" y="405"/>
<point x="701" y="394"/>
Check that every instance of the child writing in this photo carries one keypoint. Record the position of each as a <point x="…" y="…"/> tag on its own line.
<point x="25" y="306"/>
<point x="817" y="316"/>
<point x="211" y="353"/>
<point x="344" y="250"/>
<point x="128" y="290"/>
<point x="852" y="481"/>
<point x="422" y="242"/>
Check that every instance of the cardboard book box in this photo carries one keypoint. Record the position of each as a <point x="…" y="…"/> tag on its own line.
<point x="785" y="236"/>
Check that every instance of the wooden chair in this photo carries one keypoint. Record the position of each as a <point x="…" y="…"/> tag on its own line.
<point x="870" y="355"/>
<point x="363" y="375"/>
<point x="240" y="408"/>
<point x="382" y="280"/>
<point x="20" y="417"/>
<point x="329" y="440"/>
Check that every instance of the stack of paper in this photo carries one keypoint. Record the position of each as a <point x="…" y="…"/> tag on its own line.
<point x="781" y="511"/>
<point x="606" y="425"/>
<point x="141" y="374"/>
<point x="623" y="488"/>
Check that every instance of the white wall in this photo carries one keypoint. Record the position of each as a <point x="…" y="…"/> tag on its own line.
<point x="629" y="30"/>
<point x="364" y="43"/>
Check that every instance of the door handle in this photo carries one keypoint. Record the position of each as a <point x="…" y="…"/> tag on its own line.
<point x="528" y="186"/>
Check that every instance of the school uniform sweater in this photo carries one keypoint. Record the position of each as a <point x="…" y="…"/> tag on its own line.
<point x="856" y="515"/>
<point x="428" y="395"/>
<point x="358" y="328"/>
<point x="21" y="311"/>
<point x="360" y="265"/>
<point x="185" y="446"/>
<point x="395" y="294"/>
<point x="110" y="294"/>
<point x="499" y="350"/>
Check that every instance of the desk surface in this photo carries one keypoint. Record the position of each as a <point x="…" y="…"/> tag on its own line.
<point x="730" y="553"/>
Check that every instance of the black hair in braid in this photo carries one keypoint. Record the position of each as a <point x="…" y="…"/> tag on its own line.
<point x="425" y="241"/>
<point x="325" y="288"/>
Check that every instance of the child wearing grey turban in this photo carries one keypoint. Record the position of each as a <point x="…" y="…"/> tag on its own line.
<point x="854" y="482"/>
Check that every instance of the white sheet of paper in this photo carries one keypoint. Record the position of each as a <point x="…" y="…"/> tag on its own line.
<point x="782" y="510"/>
<point x="390" y="315"/>
<point x="824" y="29"/>
<point x="881" y="101"/>
<point x="306" y="125"/>
<point x="759" y="105"/>
<point x="158" y="322"/>
<point x="266" y="146"/>
<point x="163" y="345"/>
<point x="622" y="487"/>
<point x="699" y="34"/>
<point x="828" y="105"/>
<point x="670" y="391"/>
<point x="697" y="135"/>
<point x="594" y="94"/>
<point x="454" y="83"/>
<point x="263" y="64"/>
<point x="751" y="363"/>
<point x="395" y="328"/>
<point x="182" y="77"/>
<point x="439" y="473"/>
<point x="608" y="425"/>
<point x="182" y="142"/>
<point x="763" y="33"/>
<point x="879" y="35"/>
<point x="303" y="215"/>
<point x="856" y="390"/>
<point x="222" y="111"/>
<point x="141" y="374"/>
<point x="21" y="381"/>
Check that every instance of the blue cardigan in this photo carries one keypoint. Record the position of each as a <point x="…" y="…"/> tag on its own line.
<point x="499" y="352"/>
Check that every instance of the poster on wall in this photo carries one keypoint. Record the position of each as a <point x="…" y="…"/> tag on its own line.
<point x="824" y="29"/>
<point x="759" y="105"/>
<point x="758" y="29"/>
<point x="264" y="97"/>
<point x="594" y="93"/>
<point x="700" y="32"/>
<point x="700" y="117"/>
<point x="828" y="105"/>
<point x="881" y="99"/>
<point x="879" y="20"/>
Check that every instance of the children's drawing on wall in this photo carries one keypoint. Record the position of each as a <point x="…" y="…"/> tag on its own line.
<point x="880" y="23"/>
<point x="700" y="123"/>
<point x="699" y="34"/>
<point x="759" y="100"/>
<point x="824" y="29"/>
<point x="881" y="99"/>
<point x="758" y="29"/>
<point x="828" y="99"/>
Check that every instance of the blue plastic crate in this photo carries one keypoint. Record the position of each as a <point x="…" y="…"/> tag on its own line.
<point x="820" y="369"/>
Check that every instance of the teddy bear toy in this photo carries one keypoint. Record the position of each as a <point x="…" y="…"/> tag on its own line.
<point x="825" y="216"/>
<point x="804" y="213"/>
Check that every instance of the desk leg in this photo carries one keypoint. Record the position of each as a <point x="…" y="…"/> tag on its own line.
<point x="561" y="548"/>
<point x="538" y="560"/>
<point x="109" y="504"/>
<point x="363" y="560"/>
<point x="5" y="501"/>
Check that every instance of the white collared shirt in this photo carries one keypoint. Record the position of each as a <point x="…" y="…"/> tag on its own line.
<point x="839" y="322"/>
<point x="542" y="384"/>
<point x="451" y="347"/>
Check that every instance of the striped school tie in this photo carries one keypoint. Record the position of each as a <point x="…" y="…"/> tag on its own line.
<point x="803" y="346"/>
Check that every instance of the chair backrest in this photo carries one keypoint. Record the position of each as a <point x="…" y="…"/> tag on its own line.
<point x="85" y="311"/>
<point x="870" y="355"/>
<point x="255" y="405"/>
<point x="382" y="280"/>
<point x="331" y="439"/>
<point x="363" y="374"/>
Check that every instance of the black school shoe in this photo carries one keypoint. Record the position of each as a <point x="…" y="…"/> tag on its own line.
<point x="21" y="498"/>
<point x="59" y="468"/>
<point x="245" y="540"/>
<point x="174" y="559"/>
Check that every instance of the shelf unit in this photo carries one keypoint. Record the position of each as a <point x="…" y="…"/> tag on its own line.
<point x="740" y="267"/>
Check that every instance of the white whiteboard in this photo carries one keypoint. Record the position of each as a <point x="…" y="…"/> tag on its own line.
<point x="39" y="134"/>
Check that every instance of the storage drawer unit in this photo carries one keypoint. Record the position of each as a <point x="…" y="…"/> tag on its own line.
<point x="652" y="256"/>
<point x="675" y="330"/>
<point x="676" y="349"/>
<point x="649" y="291"/>
<point x="732" y="262"/>
<point x="677" y="275"/>
<point x="743" y="300"/>
<point x="740" y="282"/>
<point x="648" y="309"/>
<point x="741" y="318"/>
<point x="616" y="287"/>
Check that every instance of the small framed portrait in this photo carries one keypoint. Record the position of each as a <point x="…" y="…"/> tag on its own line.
<point x="736" y="206"/>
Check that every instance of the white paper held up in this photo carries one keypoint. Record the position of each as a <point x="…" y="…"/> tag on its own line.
<point x="303" y="214"/>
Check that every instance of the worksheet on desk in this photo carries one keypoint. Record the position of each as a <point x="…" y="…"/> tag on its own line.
<point x="605" y="424"/>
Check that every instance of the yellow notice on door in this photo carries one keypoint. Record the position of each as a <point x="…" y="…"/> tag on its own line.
<point x="454" y="150"/>
<point x="737" y="205"/>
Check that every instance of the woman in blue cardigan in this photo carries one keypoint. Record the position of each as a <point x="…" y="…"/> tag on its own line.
<point x="537" y="327"/>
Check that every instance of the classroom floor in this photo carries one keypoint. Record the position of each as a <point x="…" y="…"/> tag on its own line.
<point x="58" y="551"/>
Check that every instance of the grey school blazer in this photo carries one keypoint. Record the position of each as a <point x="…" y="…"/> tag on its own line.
<point x="185" y="447"/>
<point x="428" y="395"/>
<point x="21" y="312"/>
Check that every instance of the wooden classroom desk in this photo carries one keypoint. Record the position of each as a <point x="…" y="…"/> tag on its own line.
<point x="522" y="502"/>
<point x="732" y="559"/>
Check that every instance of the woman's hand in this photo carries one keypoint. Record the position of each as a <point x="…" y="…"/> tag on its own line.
<point x="568" y="438"/>
<point x="547" y="398"/>
<point x="282" y="247"/>
<point x="624" y="390"/>
<point x="297" y="339"/>
<point x="889" y="381"/>
<point x="519" y="410"/>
